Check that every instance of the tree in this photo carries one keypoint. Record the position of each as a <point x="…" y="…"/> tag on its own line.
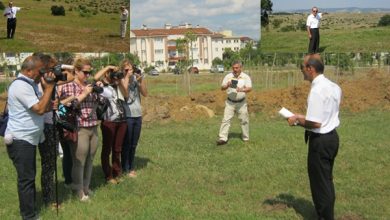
<point x="217" y="61"/>
<point x="2" y="6"/>
<point x="58" y="10"/>
<point x="384" y="21"/>
<point x="266" y="8"/>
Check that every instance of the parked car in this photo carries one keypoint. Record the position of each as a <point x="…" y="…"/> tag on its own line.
<point x="176" y="70"/>
<point x="193" y="70"/>
<point x="217" y="69"/>
<point x="153" y="72"/>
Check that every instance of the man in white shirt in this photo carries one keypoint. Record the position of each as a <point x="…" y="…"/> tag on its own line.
<point x="10" y="13"/>
<point x="313" y="30"/>
<point x="236" y="84"/>
<point x="320" y="122"/>
<point x="124" y="17"/>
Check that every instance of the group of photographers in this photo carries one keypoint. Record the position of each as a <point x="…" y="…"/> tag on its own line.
<point x="60" y="105"/>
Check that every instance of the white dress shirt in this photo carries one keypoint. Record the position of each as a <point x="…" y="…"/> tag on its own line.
<point x="124" y="15"/>
<point x="314" y="21"/>
<point x="243" y="80"/>
<point x="11" y="12"/>
<point x="323" y="104"/>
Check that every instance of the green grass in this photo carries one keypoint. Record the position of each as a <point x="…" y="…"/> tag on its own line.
<point x="38" y="30"/>
<point x="183" y="175"/>
<point x="340" y="32"/>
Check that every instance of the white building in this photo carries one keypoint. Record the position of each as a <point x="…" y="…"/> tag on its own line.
<point x="157" y="46"/>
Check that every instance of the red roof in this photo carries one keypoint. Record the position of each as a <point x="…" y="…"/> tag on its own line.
<point x="172" y="31"/>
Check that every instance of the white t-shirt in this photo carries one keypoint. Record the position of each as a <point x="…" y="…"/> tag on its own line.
<point x="124" y="15"/>
<point x="243" y="80"/>
<point x="323" y="104"/>
<point x="11" y="12"/>
<point x="314" y="21"/>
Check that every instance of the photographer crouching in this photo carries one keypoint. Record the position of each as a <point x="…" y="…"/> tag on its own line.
<point x="25" y="126"/>
<point x="113" y="124"/>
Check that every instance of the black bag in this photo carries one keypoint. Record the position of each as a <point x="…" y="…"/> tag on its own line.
<point x="101" y="108"/>
<point x="3" y="120"/>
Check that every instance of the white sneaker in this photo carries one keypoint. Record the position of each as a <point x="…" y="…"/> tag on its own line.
<point x="84" y="198"/>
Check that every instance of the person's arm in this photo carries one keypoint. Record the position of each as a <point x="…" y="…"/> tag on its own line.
<point x="300" y="120"/>
<point x="142" y="85"/>
<point x="40" y="108"/>
<point x="68" y="100"/>
<point x="103" y="71"/>
<point x="84" y="94"/>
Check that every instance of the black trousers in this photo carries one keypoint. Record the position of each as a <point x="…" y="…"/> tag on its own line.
<point x="134" y="125"/>
<point x="314" y="44"/>
<point x="23" y="155"/>
<point x="11" y="27"/>
<point x="322" y="153"/>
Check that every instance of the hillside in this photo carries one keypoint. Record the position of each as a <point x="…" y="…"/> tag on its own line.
<point x="340" y="32"/>
<point x="88" y="26"/>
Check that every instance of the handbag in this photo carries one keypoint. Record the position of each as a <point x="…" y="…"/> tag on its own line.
<point x="4" y="120"/>
<point x="67" y="123"/>
<point x="101" y="108"/>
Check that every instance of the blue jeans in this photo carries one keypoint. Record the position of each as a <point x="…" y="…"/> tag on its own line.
<point x="131" y="141"/>
<point x="23" y="156"/>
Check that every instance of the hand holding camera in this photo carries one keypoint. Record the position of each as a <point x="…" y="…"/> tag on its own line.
<point x="233" y="83"/>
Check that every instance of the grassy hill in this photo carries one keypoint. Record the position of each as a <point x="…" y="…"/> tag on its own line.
<point x="340" y="32"/>
<point x="89" y="26"/>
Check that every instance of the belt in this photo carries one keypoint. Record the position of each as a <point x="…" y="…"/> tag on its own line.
<point x="310" y="134"/>
<point x="11" y="18"/>
<point x="236" y="101"/>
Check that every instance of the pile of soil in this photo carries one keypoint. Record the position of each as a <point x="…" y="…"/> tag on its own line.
<point x="371" y="91"/>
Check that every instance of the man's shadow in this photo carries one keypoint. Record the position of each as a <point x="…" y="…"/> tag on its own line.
<point x="322" y="49"/>
<point x="301" y="206"/>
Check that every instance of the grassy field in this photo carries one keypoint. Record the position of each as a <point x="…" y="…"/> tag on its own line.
<point x="38" y="30"/>
<point x="340" y="32"/>
<point x="183" y="175"/>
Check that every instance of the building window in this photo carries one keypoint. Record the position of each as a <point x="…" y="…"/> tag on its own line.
<point x="235" y="41"/>
<point x="206" y="61"/>
<point x="228" y="41"/>
<point x="194" y="50"/>
<point x="236" y="49"/>
<point x="196" y="61"/>
<point x="159" y="51"/>
<point x="158" y="40"/>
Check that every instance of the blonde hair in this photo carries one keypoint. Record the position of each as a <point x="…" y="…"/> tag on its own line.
<point x="126" y="62"/>
<point x="79" y="63"/>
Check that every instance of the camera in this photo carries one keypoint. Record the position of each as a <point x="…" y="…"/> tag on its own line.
<point x="116" y="75"/>
<point x="97" y="89"/>
<point x="136" y="70"/>
<point x="234" y="83"/>
<point x="57" y="70"/>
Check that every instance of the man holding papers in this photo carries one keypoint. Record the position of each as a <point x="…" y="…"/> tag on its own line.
<point x="320" y="122"/>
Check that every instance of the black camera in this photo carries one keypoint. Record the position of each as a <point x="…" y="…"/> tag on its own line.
<point x="234" y="83"/>
<point x="136" y="70"/>
<point x="97" y="89"/>
<point x="116" y="75"/>
<point x="57" y="70"/>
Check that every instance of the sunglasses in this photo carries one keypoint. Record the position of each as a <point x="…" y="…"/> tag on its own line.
<point x="86" y="72"/>
<point x="126" y="70"/>
<point x="315" y="11"/>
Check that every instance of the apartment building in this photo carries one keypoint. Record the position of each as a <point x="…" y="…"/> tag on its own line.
<point x="157" y="46"/>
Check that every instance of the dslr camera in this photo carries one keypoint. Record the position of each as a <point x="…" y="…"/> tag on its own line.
<point x="57" y="70"/>
<point x="116" y="75"/>
<point x="97" y="89"/>
<point x="136" y="70"/>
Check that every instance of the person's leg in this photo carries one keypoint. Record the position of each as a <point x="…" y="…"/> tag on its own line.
<point x="318" y="41"/>
<point x="81" y="151"/>
<point x="244" y="120"/>
<point x="320" y="159"/>
<point x="120" y="133"/>
<point x="108" y="139"/>
<point x="126" y="148"/>
<point x="311" y="42"/>
<point x="13" y="28"/>
<point x="225" y="125"/>
<point x="9" y="25"/>
<point x="136" y="133"/>
<point x="67" y="160"/>
<point x="23" y="156"/>
<point x="93" y="144"/>
<point x="47" y="150"/>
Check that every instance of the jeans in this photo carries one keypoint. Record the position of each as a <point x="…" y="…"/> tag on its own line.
<point x="23" y="155"/>
<point x="131" y="141"/>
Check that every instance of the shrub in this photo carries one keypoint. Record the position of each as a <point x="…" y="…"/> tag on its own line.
<point x="2" y="6"/>
<point x="384" y="21"/>
<point x="58" y="10"/>
<point x="276" y="23"/>
<point x="301" y="25"/>
<point x="287" y="28"/>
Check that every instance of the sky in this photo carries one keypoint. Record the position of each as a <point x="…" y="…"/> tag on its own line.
<point x="285" y="5"/>
<point x="240" y="16"/>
